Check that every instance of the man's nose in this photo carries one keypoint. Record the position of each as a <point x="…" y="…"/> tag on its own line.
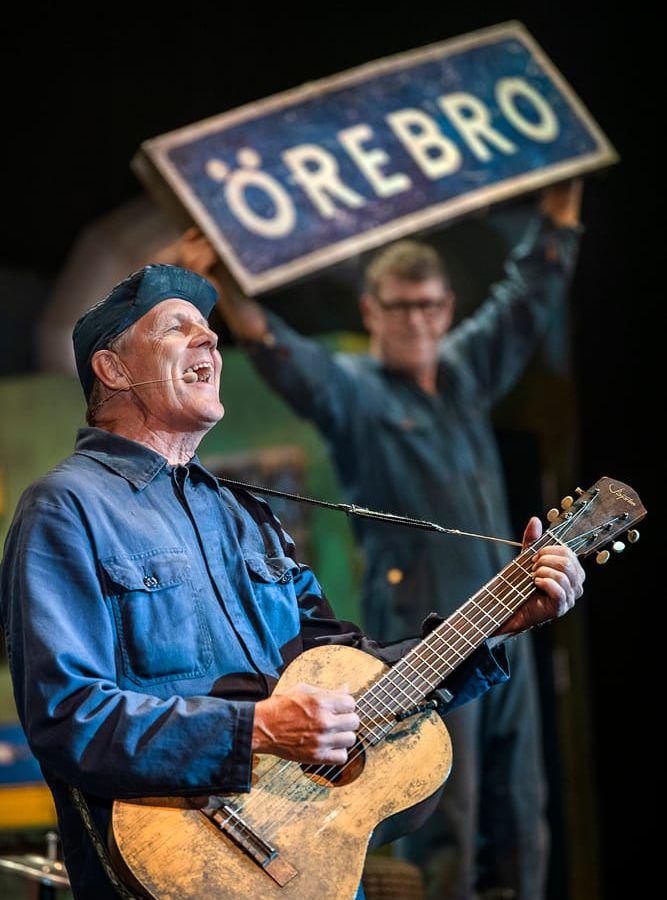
<point x="414" y="317"/>
<point x="205" y="337"/>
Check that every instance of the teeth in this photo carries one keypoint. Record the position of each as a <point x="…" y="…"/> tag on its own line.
<point x="202" y="370"/>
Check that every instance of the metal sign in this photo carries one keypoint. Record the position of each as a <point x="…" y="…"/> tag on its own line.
<point x="293" y="183"/>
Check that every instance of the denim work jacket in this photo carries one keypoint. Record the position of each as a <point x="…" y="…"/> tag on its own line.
<point x="146" y="609"/>
<point x="435" y="457"/>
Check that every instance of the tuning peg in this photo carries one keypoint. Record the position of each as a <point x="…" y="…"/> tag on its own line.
<point x="633" y="536"/>
<point x="618" y="546"/>
<point x="602" y="557"/>
<point x="553" y="514"/>
<point x="567" y="502"/>
<point x="579" y="491"/>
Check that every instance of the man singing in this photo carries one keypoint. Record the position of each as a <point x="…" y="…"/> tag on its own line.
<point x="149" y="611"/>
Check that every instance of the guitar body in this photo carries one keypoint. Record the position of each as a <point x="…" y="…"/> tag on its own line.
<point x="320" y="830"/>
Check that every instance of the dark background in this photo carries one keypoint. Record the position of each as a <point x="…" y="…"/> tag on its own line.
<point x="82" y="93"/>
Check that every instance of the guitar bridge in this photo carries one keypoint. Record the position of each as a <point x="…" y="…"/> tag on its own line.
<point x="230" y="823"/>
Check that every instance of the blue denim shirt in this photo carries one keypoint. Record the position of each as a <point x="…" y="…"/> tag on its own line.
<point x="146" y="609"/>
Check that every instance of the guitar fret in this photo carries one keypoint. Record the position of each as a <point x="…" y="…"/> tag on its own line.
<point x="421" y="670"/>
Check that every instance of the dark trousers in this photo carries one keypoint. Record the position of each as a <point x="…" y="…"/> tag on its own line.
<point x="489" y="830"/>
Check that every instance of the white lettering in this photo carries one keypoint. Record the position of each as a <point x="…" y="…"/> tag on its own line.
<point x="434" y="153"/>
<point x="546" y="129"/>
<point x="316" y="171"/>
<point x="371" y="161"/>
<point x="236" y="184"/>
<point x="472" y="120"/>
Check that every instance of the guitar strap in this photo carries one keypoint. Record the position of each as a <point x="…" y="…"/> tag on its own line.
<point x="99" y="845"/>
<point x="362" y="512"/>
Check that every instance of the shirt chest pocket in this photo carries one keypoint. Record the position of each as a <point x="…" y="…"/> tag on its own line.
<point x="272" y="580"/>
<point x="162" y="630"/>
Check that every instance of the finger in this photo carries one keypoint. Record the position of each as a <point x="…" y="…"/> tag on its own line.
<point x="553" y="590"/>
<point x="333" y="757"/>
<point x="342" y="739"/>
<point x="567" y="566"/>
<point x="554" y="561"/>
<point x="341" y="703"/>
<point x="553" y="575"/>
<point x="192" y="233"/>
<point x="345" y="722"/>
<point x="556" y="550"/>
<point x="532" y="532"/>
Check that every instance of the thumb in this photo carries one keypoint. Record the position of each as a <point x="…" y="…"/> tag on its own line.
<point x="532" y="532"/>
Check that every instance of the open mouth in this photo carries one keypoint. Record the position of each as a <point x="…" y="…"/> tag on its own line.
<point x="203" y="371"/>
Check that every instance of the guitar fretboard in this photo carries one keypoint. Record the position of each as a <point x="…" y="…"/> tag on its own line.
<point x="414" y="677"/>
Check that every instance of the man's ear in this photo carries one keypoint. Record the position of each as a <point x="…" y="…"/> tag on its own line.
<point x="450" y="310"/>
<point x="367" y="306"/>
<point x="107" y="368"/>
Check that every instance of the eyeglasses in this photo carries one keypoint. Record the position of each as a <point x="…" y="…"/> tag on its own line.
<point x="402" y="308"/>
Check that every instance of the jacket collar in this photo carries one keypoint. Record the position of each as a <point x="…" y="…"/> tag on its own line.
<point x="135" y="462"/>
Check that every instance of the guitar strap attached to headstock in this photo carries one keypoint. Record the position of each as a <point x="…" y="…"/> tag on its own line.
<point x="361" y="512"/>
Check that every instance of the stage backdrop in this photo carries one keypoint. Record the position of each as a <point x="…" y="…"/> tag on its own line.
<point x="288" y="185"/>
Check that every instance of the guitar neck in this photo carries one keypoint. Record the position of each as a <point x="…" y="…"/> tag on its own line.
<point x="417" y="674"/>
<point x="594" y="519"/>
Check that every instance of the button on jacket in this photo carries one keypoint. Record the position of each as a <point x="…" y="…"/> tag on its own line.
<point x="146" y="609"/>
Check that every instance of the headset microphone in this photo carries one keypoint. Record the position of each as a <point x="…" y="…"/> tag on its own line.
<point x="188" y="378"/>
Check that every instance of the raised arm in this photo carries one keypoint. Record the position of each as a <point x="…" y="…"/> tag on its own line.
<point x="494" y="345"/>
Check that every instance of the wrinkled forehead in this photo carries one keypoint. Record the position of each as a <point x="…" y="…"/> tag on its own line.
<point x="171" y="311"/>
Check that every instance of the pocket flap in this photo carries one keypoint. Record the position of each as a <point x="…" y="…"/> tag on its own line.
<point x="147" y="571"/>
<point x="272" y="568"/>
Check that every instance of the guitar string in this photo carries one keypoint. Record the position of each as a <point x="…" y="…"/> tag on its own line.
<point x="307" y="785"/>
<point x="388" y="680"/>
<point x="368" y="698"/>
<point x="323" y="771"/>
<point x="441" y="640"/>
<point x="326" y="774"/>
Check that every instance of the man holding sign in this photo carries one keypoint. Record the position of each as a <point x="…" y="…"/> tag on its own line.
<point x="409" y="431"/>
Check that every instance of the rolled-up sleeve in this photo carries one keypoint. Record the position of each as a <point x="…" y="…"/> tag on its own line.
<point x="79" y="723"/>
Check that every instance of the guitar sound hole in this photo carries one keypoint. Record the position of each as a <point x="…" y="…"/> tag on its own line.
<point x="338" y="776"/>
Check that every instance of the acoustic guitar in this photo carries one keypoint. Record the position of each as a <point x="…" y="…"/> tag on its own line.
<point x="302" y="831"/>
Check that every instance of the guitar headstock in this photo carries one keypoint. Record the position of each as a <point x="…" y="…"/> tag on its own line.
<point x="597" y="517"/>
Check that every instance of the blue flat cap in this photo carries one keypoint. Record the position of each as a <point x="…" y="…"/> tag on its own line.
<point x="129" y="301"/>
